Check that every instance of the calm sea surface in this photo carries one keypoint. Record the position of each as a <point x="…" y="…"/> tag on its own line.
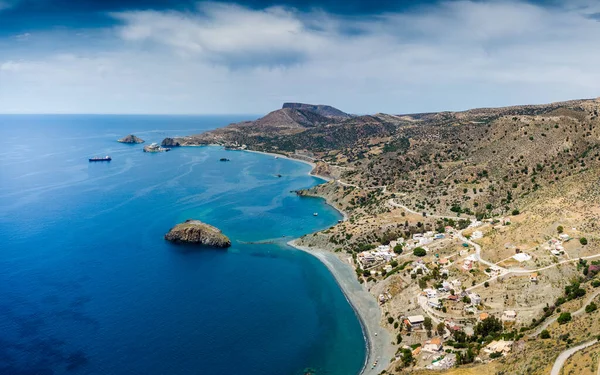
<point x="89" y="286"/>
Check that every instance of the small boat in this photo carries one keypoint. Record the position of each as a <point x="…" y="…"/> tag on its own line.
<point x="315" y="214"/>
<point x="106" y="158"/>
<point x="278" y="175"/>
<point x="223" y="159"/>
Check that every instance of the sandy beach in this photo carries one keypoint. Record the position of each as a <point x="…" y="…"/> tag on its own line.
<point x="365" y="305"/>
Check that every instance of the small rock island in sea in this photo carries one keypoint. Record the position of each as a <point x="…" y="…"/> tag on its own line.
<point x="199" y="233"/>
<point x="131" y="139"/>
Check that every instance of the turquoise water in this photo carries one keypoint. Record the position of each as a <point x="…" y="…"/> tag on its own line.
<point x="89" y="286"/>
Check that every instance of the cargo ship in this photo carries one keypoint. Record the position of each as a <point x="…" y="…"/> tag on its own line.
<point x="106" y="158"/>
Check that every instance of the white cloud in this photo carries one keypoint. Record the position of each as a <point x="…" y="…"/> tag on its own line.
<point x="226" y="58"/>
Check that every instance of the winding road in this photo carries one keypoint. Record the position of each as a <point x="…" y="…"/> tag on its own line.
<point x="551" y="320"/>
<point x="562" y="357"/>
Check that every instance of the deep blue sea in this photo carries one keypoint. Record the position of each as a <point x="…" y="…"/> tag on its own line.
<point x="88" y="285"/>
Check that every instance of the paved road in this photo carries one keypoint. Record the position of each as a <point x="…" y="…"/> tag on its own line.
<point x="392" y="202"/>
<point x="551" y="320"/>
<point x="562" y="357"/>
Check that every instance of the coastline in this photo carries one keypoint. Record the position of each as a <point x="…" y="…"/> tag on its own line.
<point x="310" y="173"/>
<point x="282" y="156"/>
<point x="365" y="305"/>
<point x="377" y="338"/>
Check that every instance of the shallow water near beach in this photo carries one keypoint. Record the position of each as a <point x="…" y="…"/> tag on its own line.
<point x="89" y="286"/>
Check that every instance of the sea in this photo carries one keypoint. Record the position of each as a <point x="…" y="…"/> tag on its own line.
<point x="88" y="285"/>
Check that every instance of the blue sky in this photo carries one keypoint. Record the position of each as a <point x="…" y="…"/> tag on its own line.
<point x="188" y="57"/>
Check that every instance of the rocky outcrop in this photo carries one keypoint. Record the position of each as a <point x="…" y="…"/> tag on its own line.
<point x="199" y="233"/>
<point x="170" y="142"/>
<point x="131" y="139"/>
<point x="154" y="147"/>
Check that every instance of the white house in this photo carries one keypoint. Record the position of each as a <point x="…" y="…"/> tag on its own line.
<point x="433" y="346"/>
<point x="500" y="346"/>
<point x="435" y="303"/>
<point x="509" y="315"/>
<point x="416" y="321"/>
<point x="475" y="299"/>
<point x="431" y="293"/>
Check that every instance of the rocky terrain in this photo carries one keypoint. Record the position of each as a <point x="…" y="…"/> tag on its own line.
<point x="131" y="139"/>
<point x="198" y="233"/>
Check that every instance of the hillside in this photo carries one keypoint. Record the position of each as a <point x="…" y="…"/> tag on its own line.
<point x="414" y="183"/>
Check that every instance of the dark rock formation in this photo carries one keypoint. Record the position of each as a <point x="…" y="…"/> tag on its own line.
<point x="131" y="139"/>
<point x="170" y="142"/>
<point x="199" y="233"/>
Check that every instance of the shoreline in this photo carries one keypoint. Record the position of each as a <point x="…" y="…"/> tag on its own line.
<point x="365" y="306"/>
<point x="378" y="345"/>
<point x="310" y="173"/>
<point x="282" y="156"/>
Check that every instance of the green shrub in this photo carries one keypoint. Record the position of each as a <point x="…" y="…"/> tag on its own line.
<point x="420" y="252"/>
<point x="591" y="308"/>
<point x="564" y="318"/>
<point x="545" y="334"/>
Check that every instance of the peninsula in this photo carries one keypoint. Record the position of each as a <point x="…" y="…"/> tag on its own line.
<point x="131" y="139"/>
<point x="198" y="233"/>
<point x="475" y="232"/>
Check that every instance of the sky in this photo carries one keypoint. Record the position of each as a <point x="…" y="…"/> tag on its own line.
<point x="250" y="56"/>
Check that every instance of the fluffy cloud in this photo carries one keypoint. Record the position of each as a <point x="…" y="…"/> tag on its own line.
<point x="226" y="58"/>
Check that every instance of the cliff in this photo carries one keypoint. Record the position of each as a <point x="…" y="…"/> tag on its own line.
<point x="199" y="233"/>
<point x="131" y="139"/>
<point x="170" y="142"/>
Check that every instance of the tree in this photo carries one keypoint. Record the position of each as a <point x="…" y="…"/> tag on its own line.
<point x="489" y="326"/>
<point x="419" y="251"/>
<point x="398" y="249"/>
<point x="515" y="212"/>
<point x="564" y="318"/>
<point x="545" y="334"/>
<point x="583" y="241"/>
<point x="560" y="229"/>
<point x="441" y="329"/>
<point x="399" y="338"/>
<point x="591" y="308"/>
<point x="427" y="324"/>
<point x="407" y="357"/>
<point x="486" y="284"/>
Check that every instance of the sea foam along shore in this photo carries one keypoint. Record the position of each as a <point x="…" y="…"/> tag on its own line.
<point x="365" y="305"/>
